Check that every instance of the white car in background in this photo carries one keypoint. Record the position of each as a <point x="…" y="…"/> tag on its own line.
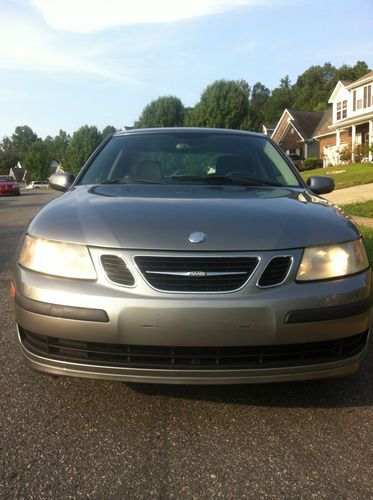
<point x="38" y="185"/>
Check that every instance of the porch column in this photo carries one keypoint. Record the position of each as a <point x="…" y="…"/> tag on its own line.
<point x="370" y="139"/>
<point x="353" y="139"/>
<point x="305" y="154"/>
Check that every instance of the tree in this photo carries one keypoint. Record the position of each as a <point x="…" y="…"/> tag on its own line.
<point x="8" y="157"/>
<point x="282" y="97"/>
<point x="166" y="111"/>
<point x="108" y="130"/>
<point x="351" y="73"/>
<point x="57" y="146"/>
<point x="223" y="104"/>
<point x="314" y="86"/>
<point x="37" y="160"/>
<point x="260" y="96"/>
<point x="82" y="144"/>
<point x="21" y="140"/>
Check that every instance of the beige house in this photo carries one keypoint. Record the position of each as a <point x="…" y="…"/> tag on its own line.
<point x="349" y="121"/>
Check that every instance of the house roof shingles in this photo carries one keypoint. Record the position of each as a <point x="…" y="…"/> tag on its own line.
<point x="324" y="124"/>
<point x="306" y="121"/>
<point x="18" y="173"/>
<point x="367" y="76"/>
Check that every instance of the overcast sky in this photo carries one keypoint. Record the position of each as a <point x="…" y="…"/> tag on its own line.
<point x="66" y="63"/>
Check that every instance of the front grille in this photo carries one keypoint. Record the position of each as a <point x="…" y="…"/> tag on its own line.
<point x="193" y="358"/>
<point x="276" y="271"/>
<point x="116" y="270"/>
<point x="196" y="274"/>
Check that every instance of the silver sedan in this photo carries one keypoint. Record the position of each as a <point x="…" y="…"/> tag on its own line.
<point x="192" y="256"/>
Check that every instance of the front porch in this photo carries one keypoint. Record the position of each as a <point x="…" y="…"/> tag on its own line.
<point x="357" y="134"/>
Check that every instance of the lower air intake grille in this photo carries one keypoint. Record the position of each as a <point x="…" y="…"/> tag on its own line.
<point x="193" y="358"/>
<point x="276" y="271"/>
<point x="116" y="270"/>
<point x="196" y="274"/>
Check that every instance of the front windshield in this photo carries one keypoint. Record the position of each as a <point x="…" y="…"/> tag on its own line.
<point x="190" y="157"/>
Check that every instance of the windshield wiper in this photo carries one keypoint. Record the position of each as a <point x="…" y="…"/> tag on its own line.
<point x="221" y="179"/>
<point x="244" y="180"/>
<point x="132" y="181"/>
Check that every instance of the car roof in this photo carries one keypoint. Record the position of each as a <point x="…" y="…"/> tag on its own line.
<point x="185" y="130"/>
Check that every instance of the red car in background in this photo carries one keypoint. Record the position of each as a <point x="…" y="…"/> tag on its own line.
<point x="8" y="185"/>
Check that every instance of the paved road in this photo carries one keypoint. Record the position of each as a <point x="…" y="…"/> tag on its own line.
<point x="75" y="438"/>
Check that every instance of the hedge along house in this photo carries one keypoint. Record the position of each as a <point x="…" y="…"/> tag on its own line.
<point x="294" y="132"/>
<point x="349" y="121"/>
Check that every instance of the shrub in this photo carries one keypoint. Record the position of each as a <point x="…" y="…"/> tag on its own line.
<point x="311" y="163"/>
<point x="345" y="154"/>
<point x="361" y="152"/>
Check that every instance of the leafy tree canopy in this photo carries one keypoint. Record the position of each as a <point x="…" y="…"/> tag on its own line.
<point x="82" y="144"/>
<point x="352" y="73"/>
<point x="37" y="161"/>
<point x="108" y="130"/>
<point x="57" y="146"/>
<point x="314" y="86"/>
<point x="8" y="159"/>
<point x="223" y="104"/>
<point x="21" y="140"/>
<point x="166" y="111"/>
<point x="260" y="96"/>
<point x="282" y="97"/>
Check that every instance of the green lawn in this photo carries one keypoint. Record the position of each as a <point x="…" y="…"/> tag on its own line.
<point x="349" y="175"/>
<point x="367" y="233"/>
<point x="364" y="209"/>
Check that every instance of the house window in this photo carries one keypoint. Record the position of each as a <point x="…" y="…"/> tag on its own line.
<point x="341" y="110"/>
<point x="367" y="96"/>
<point x="365" y="137"/>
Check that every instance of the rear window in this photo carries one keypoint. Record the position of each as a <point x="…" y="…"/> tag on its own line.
<point x="174" y="157"/>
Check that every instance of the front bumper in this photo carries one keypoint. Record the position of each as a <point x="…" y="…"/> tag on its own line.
<point x="194" y="375"/>
<point x="108" y="315"/>
<point x="194" y="365"/>
<point x="9" y="191"/>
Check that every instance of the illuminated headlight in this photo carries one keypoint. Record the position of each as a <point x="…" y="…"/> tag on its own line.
<point x="333" y="261"/>
<point x="59" y="259"/>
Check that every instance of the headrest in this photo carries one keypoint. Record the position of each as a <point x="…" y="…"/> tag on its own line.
<point x="148" y="169"/>
<point x="226" y="164"/>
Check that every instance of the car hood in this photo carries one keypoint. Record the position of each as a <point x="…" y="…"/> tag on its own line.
<point x="154" y="217"/>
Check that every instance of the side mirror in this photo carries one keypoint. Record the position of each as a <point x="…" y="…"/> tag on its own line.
<point x="321" y="184"/>
<point x="61" y="182"/>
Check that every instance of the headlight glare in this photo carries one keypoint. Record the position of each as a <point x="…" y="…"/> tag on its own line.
<point x="333" y="261"/>
<point x="67" y="260"/>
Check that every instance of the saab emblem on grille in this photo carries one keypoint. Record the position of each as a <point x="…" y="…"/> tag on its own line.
<point x="197" y="274"/>
<point x="197" y="238"/>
